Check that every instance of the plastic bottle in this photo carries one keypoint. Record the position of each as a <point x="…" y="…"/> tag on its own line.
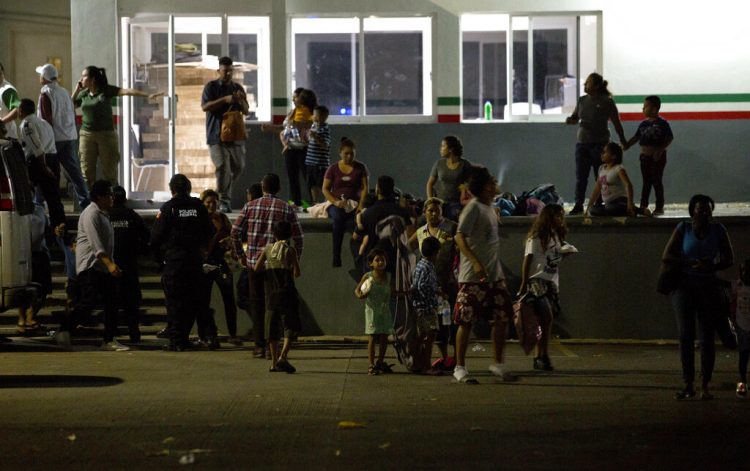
<point x="488" y="110"/>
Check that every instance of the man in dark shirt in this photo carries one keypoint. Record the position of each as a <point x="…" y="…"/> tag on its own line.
<point x="180" y="235"/>
<point x="131" y="240"/>
<point x="386" y="205"/>
<point x="219" y="96"/>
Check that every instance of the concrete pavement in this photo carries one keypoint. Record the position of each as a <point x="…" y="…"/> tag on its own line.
<point x="606" y="407"/>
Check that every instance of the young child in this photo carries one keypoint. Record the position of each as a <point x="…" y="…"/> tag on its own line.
<point x="540" y="280"/>
<point x="741" y="314"/>
<point x="281" y="265"/>
<point x="444" y="230"/>
<point x="375" y="288"/>
<point x="654" y="136"/>
<point x="614" y="186"/>
<point x="360" y="233"/>
<point x="318" y="148"/>
<point x="424" y="300"/>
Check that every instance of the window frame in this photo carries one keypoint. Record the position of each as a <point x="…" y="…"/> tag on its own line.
<point x="529" y="117"/>
<point x="428" y="51"/>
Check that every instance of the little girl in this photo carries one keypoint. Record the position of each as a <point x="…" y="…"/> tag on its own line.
<point x="613" y="184"/>
<point x="741" y="314"/>
<point x="281" y="265"/>
<point x="375" y="288"/>
<point x="545" y="248"/>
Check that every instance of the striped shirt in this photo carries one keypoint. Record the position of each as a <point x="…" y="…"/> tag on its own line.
<point x="317" y="152"/>
<point x="256" y="220"/>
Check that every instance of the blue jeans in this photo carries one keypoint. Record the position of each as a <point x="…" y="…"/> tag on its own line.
<point x="697" y="299"/>
<point x="340" y="219"/>
<point x="588" y="157"/>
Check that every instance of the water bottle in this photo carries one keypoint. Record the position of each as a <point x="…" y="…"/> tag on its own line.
<point x="444" y="311"/>
<point x="487" y="110"/>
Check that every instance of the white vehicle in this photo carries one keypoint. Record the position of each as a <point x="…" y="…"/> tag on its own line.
<point x="16" y="207"/>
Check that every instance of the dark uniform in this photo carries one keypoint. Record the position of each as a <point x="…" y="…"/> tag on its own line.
<point x="131" y="240"/>
<point x="180" y="235"/>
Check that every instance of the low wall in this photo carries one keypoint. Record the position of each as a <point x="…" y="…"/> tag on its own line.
<point x="607" y="290"/>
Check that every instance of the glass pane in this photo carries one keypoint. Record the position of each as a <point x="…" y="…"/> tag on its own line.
<point x="393" y="73"/>
<point x="484" y="73"/>
<point x="327" y="64"/>
<point x="197" y="48"/>
<point x="520" y="71"/>
<point x="554" y="44"/>
<point x="589" y="48"/>
<point x="147" y="130"/>
<point x="243" y="49"/>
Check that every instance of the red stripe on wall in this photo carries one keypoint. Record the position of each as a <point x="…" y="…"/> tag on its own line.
<point x="449" y="118"/>
<point x="115" y="120"/>
<point x="691" y="115"/>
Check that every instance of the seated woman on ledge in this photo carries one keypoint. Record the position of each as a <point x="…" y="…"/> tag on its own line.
<point x="344" y="181"/>
<point x="613" y="185"/>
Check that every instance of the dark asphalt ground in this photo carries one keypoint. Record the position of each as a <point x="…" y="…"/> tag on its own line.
<point x="606" y="407"/>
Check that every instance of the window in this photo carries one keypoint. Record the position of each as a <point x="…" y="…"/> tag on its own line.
<point x="525" y="67"/>
<point x="365" y="66"/>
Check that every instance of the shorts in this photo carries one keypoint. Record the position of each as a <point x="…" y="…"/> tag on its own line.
<point x="314" y="175"/>
<point x="489" y="301"/>
<point x="427" y="321"/>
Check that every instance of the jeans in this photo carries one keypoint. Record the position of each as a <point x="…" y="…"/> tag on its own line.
<point x="653" y="172"/>
<point x="340" y="219"/>
<point x="697" y="299"/>
<point x="67" y="158"/>
<point x="588" y="157"/>
<point x="294" y="159"/>
<point x="618" y="207"/>
<point x="229" y="160"/>
<point x="224" y="280"/>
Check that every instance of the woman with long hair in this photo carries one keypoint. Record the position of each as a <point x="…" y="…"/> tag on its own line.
<point x="593" y="113"/>
<point x="98" y="138"/>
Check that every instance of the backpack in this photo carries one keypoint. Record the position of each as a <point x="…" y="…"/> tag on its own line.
<point x="544" y="193"/>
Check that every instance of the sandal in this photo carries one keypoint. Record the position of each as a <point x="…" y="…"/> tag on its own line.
<point x="373" y="371"/>
<point x="21" y="328"/>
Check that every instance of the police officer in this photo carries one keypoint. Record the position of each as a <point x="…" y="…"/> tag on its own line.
<point x="131" y="240"/>
<point x="180" y="236"/>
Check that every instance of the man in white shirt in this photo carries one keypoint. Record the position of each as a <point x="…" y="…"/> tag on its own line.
<point x="38" y="142"/>
<point x="56" y="108"/>
<point x="8" y="105"/>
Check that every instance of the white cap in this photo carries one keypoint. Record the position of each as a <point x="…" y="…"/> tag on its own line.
<point x="47" y="71"/>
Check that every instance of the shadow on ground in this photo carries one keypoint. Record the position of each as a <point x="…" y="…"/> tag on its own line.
<point x="57" y="381"/>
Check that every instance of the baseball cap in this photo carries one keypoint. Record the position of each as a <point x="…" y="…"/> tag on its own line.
<point x="47" y="71"/>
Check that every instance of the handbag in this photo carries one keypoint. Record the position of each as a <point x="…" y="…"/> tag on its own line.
<point x="527" y="325"/>
<point x="670" y="277"/>
<point x="233" y="126"/>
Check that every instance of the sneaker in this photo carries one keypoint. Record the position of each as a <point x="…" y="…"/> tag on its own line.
<point x="460" y="373"/>
<point x="450" y="363"/>
<point x="114" y="346"/>
<point x="687" y="393"/>
<point x="503" y="372"/>
<point x="213" y="343"/>
<point x="658" y="212"/>
<point x="384" y="367"/>
<point x="741" y="390"/>
<point x="285" y="366"/>
<point x="543" y="363"/>
<point x="63" y="339"/>
<point x="438" y="364"/>
<point x="236" y="341"/>
<point x="163" y="333"/>
<point x="577" y="209"/>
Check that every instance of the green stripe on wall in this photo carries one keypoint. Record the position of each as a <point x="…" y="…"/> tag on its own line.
<point x="282" y="102"/>
<point x="449" y="101"/>
<point x="697" y="98"/>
